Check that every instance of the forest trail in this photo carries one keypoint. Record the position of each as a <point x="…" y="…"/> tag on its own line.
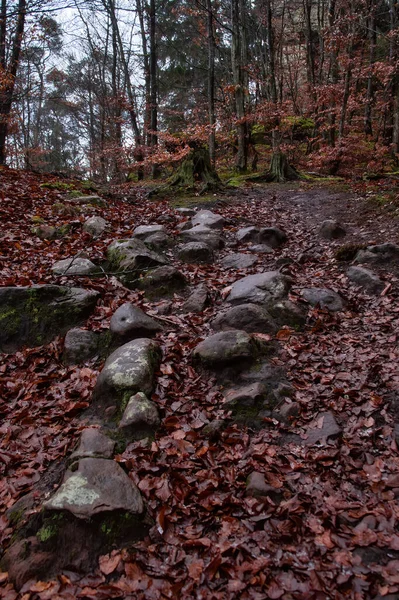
<point x="274" y="470"/>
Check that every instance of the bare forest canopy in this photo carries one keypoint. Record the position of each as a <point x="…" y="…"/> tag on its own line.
<point x="133" y="87"/>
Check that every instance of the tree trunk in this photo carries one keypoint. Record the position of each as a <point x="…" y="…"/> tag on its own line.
<point x="195" y="169"/>
<point x="153" y="86"/>
<point x="238" y="80"/>
<point x="211" y="83"/>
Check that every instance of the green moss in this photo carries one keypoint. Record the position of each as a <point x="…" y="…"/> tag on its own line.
<point x="58" y="185"/>
<point x="117" y="525"/>
<point x="16" y="516"/>
<point x="348" y="252"/>
<point x="37" y="220"/>
<point x="46" y="533"/>
<point x="50" y="527"/>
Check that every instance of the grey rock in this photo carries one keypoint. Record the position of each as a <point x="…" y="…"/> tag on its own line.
<point x="80" y="345"/>
<point x="96" y="486"/>
<point x="238" y="261"/>
<point x="93" y="200"/>
<point x="381" y="254"/>
<point x="186" y="212"/>
<point x="144" y="231"/>
<point x="141" y="417"/>
<point x="203" y="234"/>
<point x="129" y="322"/>
<point x="195" y="253"/>
<point x="248" y="395"/>
<point x="366" y="279"/>
<point x="46" y="232"/>
<point x="323" y="427"/>
<point x="132" y="257"/>
<point x="128" y="370"/>
<point x="197" y="301"/>
<point x="258" y="488"/>
<point x="286" y="312"/>
<point x="262" y="288"/>
<point x="164" y="307"/>
<point x="95" y="226"/>
<point x="73" y="266"/>
<point x="93" y="444"/>
<point x="158" y="241"/>
<point x="323" y="297"/>
<point x="251" y="318"/>
<point x="260" y="249"/>
<point x="36" y="315"/>
<point x="288" y="411"/>
<point x="208" y="219"/>
<point x="248" y="234"/>
<point x="163" y="281"/>
<point x="272" y="236"/>
<point x="331" y="230"/>
<point x="225" y="347"/>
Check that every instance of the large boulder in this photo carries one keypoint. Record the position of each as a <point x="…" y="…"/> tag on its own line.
<point x="238" y="261"/>
<point x="132" y="257"/>
<point x="208" y="219"/>
<point x="323" y="297"/>
<point x="195" y="253"/>
<point x="129" y="322"/>
<point x="74" y="266"/>
<point x="251" y="318"/>
<point x="35" y="315"/>
<point x="366" y="279"/>
<point x="224" y="348"/>
<point x="163" y="281"/>
<point x="128" y="370"/>
<point x="380" y="254"/>
<point x="201" y="233"/>
<point x="262" y="288"/>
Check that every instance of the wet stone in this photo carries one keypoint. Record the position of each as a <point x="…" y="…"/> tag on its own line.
<point x="380" y="253"/>
<point x="200" y="233"/>
<point x="262" y="288"/>
<point x="248" y="234"/>
<point x="95" y="226"/>
<point x="225" y="347"/>
<point x="129" y="322"/>
<point x="163" y="281"/>
<point x="272" y="236"/>
<point x="80" y="345"/>
<point x="46" y="232"/>
<point x="238" y="261"/>
<point x="73" y="266"/>
<point x="249" y="395"/>
<point x="144" y="231"/>
<point x="323" y="297"/>
<point x="132" y="257"/>
<point x="366" y="279"/>
<point x="261" y="249"/>
<point x="195" y="252"/>
<point x="158" y="241"/>
<point x="93" y="444"/>
<point x="93" y="200"/>
<point x="197" y="301"/>
<point x="140" y="418"/>
<point x="331" y="230"/>
<point x="209" y="219"/>
<point x="251" y="318"/>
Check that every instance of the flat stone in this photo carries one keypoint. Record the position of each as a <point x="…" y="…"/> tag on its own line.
<point x="272" y="236"/>
<point x="323" y="297"/>
<point x="331" y="230"/>
<point x="141" y="417"/>
<point x="380" y="253"/>
<point x="251" y="318"/>
<point x="225" y="347"/>
<point x="129" y="322"/>
<point x="144" y="231"/>
<point x="366" y="279"/>
<point x="323" y="427"/>
<point x="262" y="288"/>
<point x="238" y="261"/>
<point x="93" y="444"/>
<point x="95" y="226"/>
<point x="96" y="486"/>
<point x="248" y="234"/>
<point x="258" y="488"/>
<point x="73" y="266"/>
<point x="248" y="395"/>
<point x="200" y="233"/>
<point x="93" y="200"/>
<point x="128" y="370"/>
<point x="132" y="257"/>
<point x="208" y="219"/>
<point x="260" y="249"/>
<point x="35" y="315"/>
<point x="163" y="281"/>
<point x="195" y="253"/>
<point x="80" y="345"/>
<point x="197" y="301"/>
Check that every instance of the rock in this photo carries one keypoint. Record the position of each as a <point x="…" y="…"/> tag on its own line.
<point x="325" y="298"/>
<point x="225" y="347"/>
<point x="80" y="345"/>
<point x="45" y="232"/>
<point x="141" y="417"/>
<point x="163" y="281"/>
<point x="250" y="395"/>
<point x="93" y="200"/>
<point x="251" y="318"/>
<point x="208" y="219"/>
<point x="323" y="427"/>
<point x="158" y="241"/>
<point x="272" y="236"/>
<point x="331" y="230"/>
<point x="73" y="266"/>
<point x="288" y="411"/>
<point x="93" y="444"/>
<point x="164" y="307"/>
<point x="185" y="212"/>
<point x="248" y="234"/>
<point x="197" y="301"/>
<point x="381" y="253"/>
<point x="286" y="312"/>
<point x="132" y="257"/>
<point x="238" y="261"/>
<point x="195" y="253"/>
<point x="129" y="322"/>
<point x="262" y="288"/>
<point x="95" y="226"/>
<point x="260" y="249"/>
<point x="128" y="370"/>
<point x="258" y="488"/>
<point x="144" y="231"/>
<point x="35" y="315"/>
<point x="203" y="234"/>
<point x="366" y="279"/>
<point x="96" y="486"/>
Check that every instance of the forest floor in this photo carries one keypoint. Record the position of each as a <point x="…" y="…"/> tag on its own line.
<point x="334" y="532"/>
